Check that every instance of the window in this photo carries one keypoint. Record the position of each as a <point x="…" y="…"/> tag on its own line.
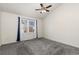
<point x="24" y="25"/>
<point x="28" y="25"/>
<point x="31" y="25"/>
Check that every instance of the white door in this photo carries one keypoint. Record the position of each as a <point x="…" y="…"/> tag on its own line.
<point x="28" y="28"/>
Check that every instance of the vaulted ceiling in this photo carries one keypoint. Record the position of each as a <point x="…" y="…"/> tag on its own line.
<point x="26" y="9"/>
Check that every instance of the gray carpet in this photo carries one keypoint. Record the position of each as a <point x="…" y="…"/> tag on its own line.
<point x="38" y="47"/>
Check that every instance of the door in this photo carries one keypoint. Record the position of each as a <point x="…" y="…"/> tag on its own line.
<point x="28" y="29"/>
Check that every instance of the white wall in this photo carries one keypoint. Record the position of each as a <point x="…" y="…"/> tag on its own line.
<point x="9" y="27"/>
<point x="0" y="28"/>
<point x="62" y="25"/>
<point x="40" y="28"/>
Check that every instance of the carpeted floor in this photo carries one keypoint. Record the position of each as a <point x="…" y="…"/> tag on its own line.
<point x="38" y="47"/>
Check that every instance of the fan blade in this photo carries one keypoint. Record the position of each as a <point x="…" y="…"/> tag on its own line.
<point x="37" y="9"/>
<point x="41" y="5"/>
<point x="47" y="10"/>
<point x="49" y="6"/>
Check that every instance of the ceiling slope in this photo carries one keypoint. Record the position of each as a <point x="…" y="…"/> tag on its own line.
<point x="26" y="9"/>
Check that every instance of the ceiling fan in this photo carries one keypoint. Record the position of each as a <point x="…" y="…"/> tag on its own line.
<point x="43" y="8"/>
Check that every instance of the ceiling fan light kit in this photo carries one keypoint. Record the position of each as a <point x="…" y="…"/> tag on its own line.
<point x="43" y="9"/>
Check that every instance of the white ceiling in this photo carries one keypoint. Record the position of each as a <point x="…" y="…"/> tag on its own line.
<point x="26" y="9"/>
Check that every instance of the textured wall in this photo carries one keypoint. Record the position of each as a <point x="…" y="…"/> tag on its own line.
<point x="62" y="24"/>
